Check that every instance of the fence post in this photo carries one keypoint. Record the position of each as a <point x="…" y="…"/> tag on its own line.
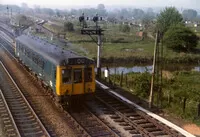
<point x="121" y="79"/>
<point x="126" y="81"/>
<point x="198" y="111"/>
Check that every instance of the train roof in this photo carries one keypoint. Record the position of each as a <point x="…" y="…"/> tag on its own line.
<point x="53" y="53"/>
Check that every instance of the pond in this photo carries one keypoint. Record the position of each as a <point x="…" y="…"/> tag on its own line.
<point x="148" y="68"/>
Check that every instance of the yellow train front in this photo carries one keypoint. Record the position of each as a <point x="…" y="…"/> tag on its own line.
<point x="70" y="77"/>
<point x="76" y="80"/>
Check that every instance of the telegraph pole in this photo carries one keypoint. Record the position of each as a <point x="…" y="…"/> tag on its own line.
<point x="156" y="78"/>
<point x="94" y="31"/>
<point x="99" y="57"/>
<point x="153" y="72"/>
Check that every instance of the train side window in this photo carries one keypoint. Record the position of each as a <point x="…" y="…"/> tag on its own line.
<point x="66" y="76"/>
<point x="88" y="74"/>
<point x="77" y="75"/>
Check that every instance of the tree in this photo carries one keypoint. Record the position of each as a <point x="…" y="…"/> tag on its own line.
<point x="57" y="11"/>
<point x="179" y="37"/>
<point x="101" y="7"/>
<point x="47" y="11"/>
<point x="101" y="10"/>
<point x="68" y="26"/>
<point x="147" y="21"/>
<point x="112" y="19"/>
<point x="189" y="14"/>
<point x="37" y="9"/>
<point x="138" y="13"/>
<point x="124" y="28"/>
<point x="168" y="17"/>
<point x="124" y="14"/>
<point x="24" y="5"/>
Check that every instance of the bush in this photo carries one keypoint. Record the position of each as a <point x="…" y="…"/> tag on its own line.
<point x="124" y="28"/>
<point x="142" y="84"/>
<point x="180" y="38"/>
<point x="68" y="26"/>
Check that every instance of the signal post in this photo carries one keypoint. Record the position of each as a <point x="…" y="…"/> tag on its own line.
<point x="94" y="31"/>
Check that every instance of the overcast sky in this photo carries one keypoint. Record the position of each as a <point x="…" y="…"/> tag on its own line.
<point x="141" y="3"/>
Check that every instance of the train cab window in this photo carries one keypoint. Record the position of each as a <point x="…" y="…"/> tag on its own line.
<point x="66" y="76"/>
<point x="88" y="74"/>
<point x="77" y="75"/>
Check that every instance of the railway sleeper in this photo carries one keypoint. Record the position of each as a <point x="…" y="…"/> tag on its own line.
<point x="128" y="128"/>
<point x="19" y="107"/>
<point x="147" y="125"/>
<point x="29" y="124"/>
<point x="24" y="122"/>
<point x="134" y="132"/>
<point x="115" y="117"/>
<point x="118" y="120"/>
<point x="158" y="133"/>
<point x="39" y="133"/>
<point x="141" y="121"/>
<point x="31" y="129"/>
<point x="123" y="124"/>
<point x="137" y="135"/>
<point x="8" y="126"/>
<point x="19" y="112"/>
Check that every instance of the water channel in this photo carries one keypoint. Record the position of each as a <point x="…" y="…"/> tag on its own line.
<point x="148" y="68"/>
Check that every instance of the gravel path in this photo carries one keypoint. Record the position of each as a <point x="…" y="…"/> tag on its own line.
<point x="56" y="118"/>
<point x="192" y="128"/>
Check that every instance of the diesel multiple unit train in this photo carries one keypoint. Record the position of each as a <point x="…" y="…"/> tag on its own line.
<point x="69" y="75"/>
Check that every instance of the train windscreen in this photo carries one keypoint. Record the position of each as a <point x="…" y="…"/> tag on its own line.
<point x="77" y="75"/>
<point x="88" y="74"/>
<point x="66" y="76"/>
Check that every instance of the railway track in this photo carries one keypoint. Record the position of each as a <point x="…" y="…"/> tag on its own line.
<point x="129" y="120"/>
<point x="90" y="124"/>
<point x="22" y="120"/>
<point x="86" y="122"/>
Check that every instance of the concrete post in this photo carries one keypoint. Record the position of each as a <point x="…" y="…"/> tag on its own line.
<point x="99" y="57"/>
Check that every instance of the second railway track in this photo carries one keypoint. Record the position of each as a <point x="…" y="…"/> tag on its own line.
<point x="22" y="114"/>
<point x="92" y="125"/>
<point x="129" y="120"/>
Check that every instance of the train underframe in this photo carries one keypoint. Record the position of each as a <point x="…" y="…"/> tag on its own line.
<point x="73" y="101"/>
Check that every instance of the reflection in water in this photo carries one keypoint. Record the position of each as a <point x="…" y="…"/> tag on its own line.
<point x="197" y="68"/>
<point x="148" y="68"/>
<point x="126" y="70"/>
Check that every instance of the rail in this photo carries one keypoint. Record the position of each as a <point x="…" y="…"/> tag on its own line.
<point x="23" y="114"/>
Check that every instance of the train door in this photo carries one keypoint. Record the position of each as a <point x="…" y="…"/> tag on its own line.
<point x="78" y="83"/>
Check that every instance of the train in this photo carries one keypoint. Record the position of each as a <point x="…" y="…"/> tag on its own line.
<point x="69" y="76"/>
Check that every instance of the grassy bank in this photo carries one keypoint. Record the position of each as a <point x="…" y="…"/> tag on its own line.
<point x="179" y="96"/>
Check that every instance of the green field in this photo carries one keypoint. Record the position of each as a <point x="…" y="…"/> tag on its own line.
<point x="121" y="45"/>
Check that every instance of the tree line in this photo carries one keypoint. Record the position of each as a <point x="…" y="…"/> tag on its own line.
<point x="111" y="15"/>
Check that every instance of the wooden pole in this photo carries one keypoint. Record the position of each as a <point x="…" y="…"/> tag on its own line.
<point x="126" y="80"/>
<point x="153" y="72"/>
<point x="121" y="79"/>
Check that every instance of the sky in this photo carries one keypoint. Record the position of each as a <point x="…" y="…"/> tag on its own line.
<point x="93" y="3"/>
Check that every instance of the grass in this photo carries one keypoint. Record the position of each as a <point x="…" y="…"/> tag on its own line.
<point x="176" y="85"/>
<point x="120" y="45"/>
